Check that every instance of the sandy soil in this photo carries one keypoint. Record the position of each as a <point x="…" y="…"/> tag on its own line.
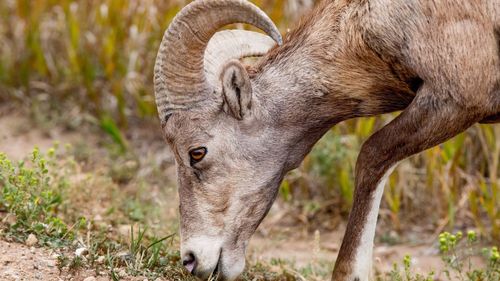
<point x="303" y="249"/>
<point x="18" y="137"/>
<point x="18" y="262"/>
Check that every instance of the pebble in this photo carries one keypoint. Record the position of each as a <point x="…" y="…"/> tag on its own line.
<point x="10" y="219"/>
<point x="100" y="259"/>
<point x="90" y="278"/>
<point x="13" y="274"/>
<point x="124" y="230"/>
<point x="32" y="240"/>
<point x="81" y="252"/>
<point x="51" y="263"/>
<point x="124" y="256"/>
<point x="122" y="273"/>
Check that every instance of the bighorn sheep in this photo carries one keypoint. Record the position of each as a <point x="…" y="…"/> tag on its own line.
<point x="235" y="130"/>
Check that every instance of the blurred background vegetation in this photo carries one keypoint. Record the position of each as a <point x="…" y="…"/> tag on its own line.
<point x="73" y="62"/>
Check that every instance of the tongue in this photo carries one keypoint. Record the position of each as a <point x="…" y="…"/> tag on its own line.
<point x="190" y="266"/>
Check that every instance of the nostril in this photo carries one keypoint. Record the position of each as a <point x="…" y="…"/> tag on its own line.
<point x="189" y="262"/>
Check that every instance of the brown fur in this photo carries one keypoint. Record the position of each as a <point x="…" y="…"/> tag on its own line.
<point x="380" y="68"/>
<point x="438" y="61"/>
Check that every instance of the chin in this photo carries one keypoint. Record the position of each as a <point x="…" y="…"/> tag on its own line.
<point x="231" y="267"/>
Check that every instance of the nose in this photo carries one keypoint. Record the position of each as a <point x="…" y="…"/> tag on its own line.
<point x="189" y="262"/>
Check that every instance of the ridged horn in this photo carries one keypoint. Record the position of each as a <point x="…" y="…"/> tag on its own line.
<point x="179" y="76"/>
<point x="233" y="44"/>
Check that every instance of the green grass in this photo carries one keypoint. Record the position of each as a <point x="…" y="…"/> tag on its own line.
<point x="76" y="62"/>
<point x="456" y="182"/>
<point x="457" y="253"/>
<point x="39" y="193"/>
<point x="33" y="196"/>
<point x="36" y="193"/>
<point x="97" y="56"/>
<point x="41" y="197"/>
<point x="72" y="60"/>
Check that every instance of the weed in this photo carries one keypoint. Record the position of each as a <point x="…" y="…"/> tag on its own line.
<point x="32" y="191"/>
<point x="98" y="56"/>
<point x="457" y="252"/>
<point x="443" y="185"/>
<point x="97" y="60"/>
<point x="406" y="275"/>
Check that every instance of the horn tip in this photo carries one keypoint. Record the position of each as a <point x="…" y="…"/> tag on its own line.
<point x="278" y="38"/>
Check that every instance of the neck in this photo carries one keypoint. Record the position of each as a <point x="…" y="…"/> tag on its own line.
<point x="322" y="76"/>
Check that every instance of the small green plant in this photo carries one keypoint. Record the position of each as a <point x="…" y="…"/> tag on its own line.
<point x="457" y="252"/>
<point x="150" y="257"/>
<point x="31" y="192"/>
<point x="44" y="195"/>
<point x="406" y="275"/>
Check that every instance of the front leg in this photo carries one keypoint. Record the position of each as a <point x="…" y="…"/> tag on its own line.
<point x="428" y="121"/>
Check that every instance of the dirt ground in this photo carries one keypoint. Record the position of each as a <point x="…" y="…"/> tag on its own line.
<point x="272" y="241"/>
<point x="19" y="262"/>
<point x="302" y="248"/>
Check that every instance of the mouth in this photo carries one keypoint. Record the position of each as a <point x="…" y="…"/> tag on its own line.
<point x="215" y="273"/>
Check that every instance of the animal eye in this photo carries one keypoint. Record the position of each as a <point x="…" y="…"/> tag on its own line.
<point x="197" y="154"/>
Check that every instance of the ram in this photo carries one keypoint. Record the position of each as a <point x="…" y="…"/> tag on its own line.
<point x="237" y="130"/>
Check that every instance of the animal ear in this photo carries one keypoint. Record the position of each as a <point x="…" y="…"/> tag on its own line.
<point x="236" y="89"/>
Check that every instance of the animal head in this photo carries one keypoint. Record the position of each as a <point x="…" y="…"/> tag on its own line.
<point x="231" y="152"/>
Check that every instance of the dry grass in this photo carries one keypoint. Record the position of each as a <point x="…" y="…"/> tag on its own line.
<point x="455" y="185"/>
<point x="117" y="227"/>
<point x="92" y="61"/>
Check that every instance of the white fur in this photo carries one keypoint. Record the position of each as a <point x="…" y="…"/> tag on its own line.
<point x="364" y="254"/>
<point x="232" y="269"/>
<point x="206" y="250"/>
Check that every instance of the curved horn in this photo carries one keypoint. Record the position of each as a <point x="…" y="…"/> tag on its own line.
<point x="233" y="44"/>
<point x="179" y="76"/>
